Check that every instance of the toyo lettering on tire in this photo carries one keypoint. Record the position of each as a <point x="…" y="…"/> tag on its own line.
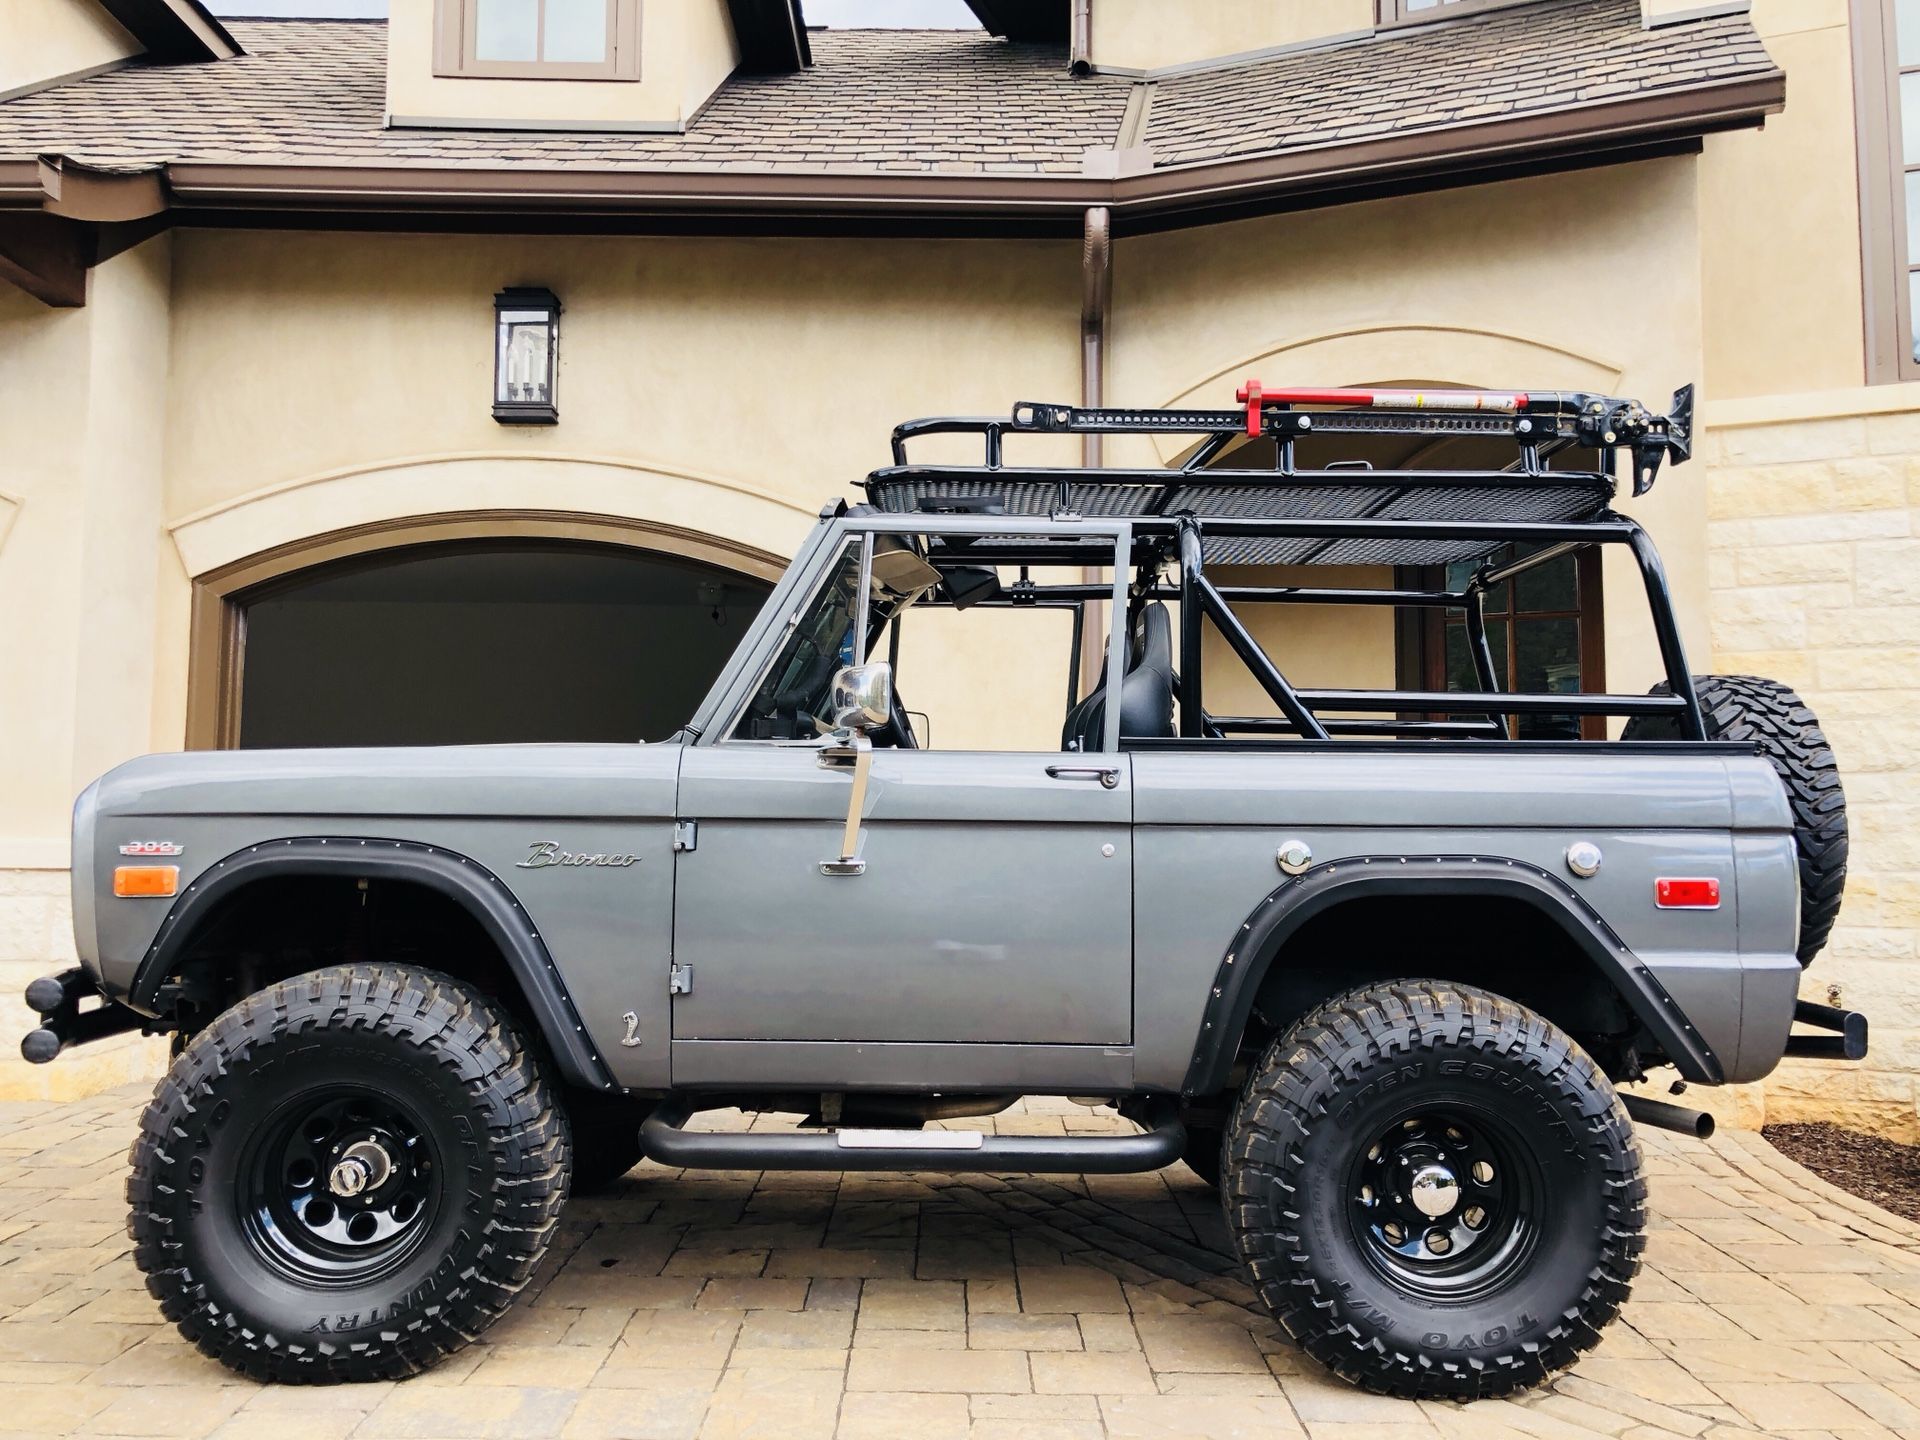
<point x="346" y="1176"/>
<point x="1434" y="1190"/>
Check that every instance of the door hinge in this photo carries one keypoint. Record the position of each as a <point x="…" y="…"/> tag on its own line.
<point x="680" y="980"/>
<point x="686" y="835"/>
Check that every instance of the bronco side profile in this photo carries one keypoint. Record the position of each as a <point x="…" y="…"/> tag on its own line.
<point x="1370" y="960"/>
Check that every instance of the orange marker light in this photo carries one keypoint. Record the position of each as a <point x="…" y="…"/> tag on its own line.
<point x="134" y="881"/>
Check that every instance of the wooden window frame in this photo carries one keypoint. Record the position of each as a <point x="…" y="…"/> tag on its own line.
<point x="1389" y="14"/>
<point x="1885" y="271"/>
<point x="1429" y="637"/>
<point x="454" y="27"/>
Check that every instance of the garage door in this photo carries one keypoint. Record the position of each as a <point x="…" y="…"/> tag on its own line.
<point x="486" y="642"/>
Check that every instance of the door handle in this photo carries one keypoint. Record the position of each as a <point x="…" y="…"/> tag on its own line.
<point x="1107" y="775"/>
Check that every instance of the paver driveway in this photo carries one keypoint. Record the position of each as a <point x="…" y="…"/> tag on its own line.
<point x="927" y="1307"/>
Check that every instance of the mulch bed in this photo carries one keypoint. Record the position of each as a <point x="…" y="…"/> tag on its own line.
<point x="1883" y="1171"/>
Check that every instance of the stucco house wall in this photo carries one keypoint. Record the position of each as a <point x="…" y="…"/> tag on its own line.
<point x="227" y="392"/>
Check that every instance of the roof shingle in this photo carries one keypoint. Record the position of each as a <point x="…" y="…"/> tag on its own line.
<point x="891" y="101"/>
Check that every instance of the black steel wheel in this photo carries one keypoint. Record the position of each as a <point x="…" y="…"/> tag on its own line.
<point x="346" y="1176"/>
<point x="1435" y="1191"/>
<point x="1446" y="1201"/>
<point x="338" y="1187"/>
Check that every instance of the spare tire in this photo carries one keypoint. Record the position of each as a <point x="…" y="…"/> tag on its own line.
<point x="1768" y="715"/>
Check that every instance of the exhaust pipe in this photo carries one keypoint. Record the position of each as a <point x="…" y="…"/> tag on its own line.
<point x="1659" y="1113"/>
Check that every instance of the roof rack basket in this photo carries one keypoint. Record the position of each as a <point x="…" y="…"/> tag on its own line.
<point x="1199" y="513"/>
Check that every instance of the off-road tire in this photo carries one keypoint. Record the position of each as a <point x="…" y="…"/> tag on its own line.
<point x="434" y="1045"/>
<point x="606" y="1138"/>
<point x="1305" y="1123"/>
<point x="1751" y="709"/>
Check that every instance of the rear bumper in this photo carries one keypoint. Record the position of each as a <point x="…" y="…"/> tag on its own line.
<point x="1843" y="1033"/>
<point x="58" y="999"/>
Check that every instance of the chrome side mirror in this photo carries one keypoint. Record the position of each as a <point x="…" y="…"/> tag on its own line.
<point x="862" y="697"/>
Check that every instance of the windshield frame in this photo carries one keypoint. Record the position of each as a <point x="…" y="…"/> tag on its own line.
<point x="735" y="693"/>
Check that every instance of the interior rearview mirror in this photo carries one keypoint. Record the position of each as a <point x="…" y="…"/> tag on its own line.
<point x="862" y="696"/>
<point x="970" y="584"/>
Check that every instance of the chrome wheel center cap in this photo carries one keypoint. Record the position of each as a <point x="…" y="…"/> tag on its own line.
<point x="365" y="1166"/>
<point x="1434" y="1191"/>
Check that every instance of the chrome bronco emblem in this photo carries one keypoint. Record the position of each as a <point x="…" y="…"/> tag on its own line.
<point x="547" y="853"/>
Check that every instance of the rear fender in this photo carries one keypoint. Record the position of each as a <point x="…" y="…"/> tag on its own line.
<point x="1260" y="940"/>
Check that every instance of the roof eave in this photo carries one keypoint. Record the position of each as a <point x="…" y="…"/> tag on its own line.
<point x="174" y="32"/>
<point x="1156" y="198"/>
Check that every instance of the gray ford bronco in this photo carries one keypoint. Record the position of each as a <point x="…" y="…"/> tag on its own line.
<point x="1370" y="961"/>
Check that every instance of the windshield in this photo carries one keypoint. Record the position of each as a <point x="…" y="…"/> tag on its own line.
<point x="791" y="702"/>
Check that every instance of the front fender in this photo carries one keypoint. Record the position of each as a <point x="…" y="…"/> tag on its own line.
<point x="1259" y="941"/>
<point x="466" y="882"/>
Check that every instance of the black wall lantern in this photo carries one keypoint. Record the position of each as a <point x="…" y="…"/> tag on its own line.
<point x="526" y="356"/>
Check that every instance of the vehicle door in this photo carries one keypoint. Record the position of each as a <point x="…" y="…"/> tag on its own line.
<point x="987" y="898"/>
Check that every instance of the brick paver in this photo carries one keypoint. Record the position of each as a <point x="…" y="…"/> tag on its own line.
<point x="932" y="1307"/>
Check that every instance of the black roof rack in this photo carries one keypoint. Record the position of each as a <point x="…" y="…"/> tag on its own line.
<point x="1526" y="492"/>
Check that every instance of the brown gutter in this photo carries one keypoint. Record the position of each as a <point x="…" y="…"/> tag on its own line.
<point x="22" y="185"/>
<point x="1148" y="199"/>
<point x="103" y="197"/>
<point x="1080" y="38"/>
<point x="1709" y="108"/>
<point x="1096" y="299"/>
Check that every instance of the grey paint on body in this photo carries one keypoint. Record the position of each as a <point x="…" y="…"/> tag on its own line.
<point x="992" y="941"/>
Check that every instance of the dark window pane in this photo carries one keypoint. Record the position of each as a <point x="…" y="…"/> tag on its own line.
<point x="576" y="31"/>
<point x="507" y="30"/>
<point x="1460" y="672"/>
<point x="1913" y="218"/>
<point x="792" y="701"/>
<point x="1547" y="662"/>
<point x="1910" y="118"/>
<point x="1913" y="310"/>
<point x="1553" y="586"/>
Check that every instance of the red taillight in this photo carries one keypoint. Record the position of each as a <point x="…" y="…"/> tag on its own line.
<point x="1687" y="894"/>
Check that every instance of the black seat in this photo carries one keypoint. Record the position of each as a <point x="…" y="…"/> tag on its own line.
<point x="1146" y="690"/>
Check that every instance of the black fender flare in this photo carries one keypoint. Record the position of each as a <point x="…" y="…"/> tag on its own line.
<point x="1256" y="944"/>
<point x="466" y="882"/>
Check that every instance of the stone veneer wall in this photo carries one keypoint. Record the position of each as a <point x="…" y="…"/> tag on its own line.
<point x="1814" y="571"/>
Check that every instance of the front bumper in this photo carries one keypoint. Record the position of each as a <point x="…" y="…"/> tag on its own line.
<point x="58" y="998"/>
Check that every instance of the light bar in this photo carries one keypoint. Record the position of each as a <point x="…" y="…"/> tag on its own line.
<point x="1501" y="402"/>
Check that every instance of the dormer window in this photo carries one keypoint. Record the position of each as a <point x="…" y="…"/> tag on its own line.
<point x="537" y="39"/>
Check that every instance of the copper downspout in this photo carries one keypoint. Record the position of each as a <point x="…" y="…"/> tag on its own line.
<point x="1080" y="41"/>
<point x="1096" y="299"/>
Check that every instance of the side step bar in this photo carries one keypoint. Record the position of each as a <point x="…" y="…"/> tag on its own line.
<point x="1847" y="1042"/>
<point x="664" y="1138"/>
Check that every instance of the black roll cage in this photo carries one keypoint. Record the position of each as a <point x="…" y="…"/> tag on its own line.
<point x="1323" y="515"/>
